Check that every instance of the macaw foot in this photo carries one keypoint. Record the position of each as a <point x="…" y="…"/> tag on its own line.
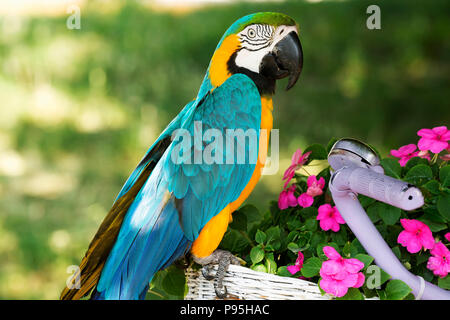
<point x="223" y="259"/>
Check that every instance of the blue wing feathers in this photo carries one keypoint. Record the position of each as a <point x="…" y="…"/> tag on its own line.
<point x="151" y="236"/>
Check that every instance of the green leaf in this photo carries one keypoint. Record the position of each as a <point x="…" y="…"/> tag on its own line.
<point x="311" y="224"/>
<point x="239" y="221"/>
<point x="419" y="174"/>
<point x="294" y="224"/>
<point x="310" y="212"/>
<point x="391" y="167"/>
<point x="434" y="226"/>
<point x="174" y="281"/>
<point x="273" y="238"/>
<point x="260" y="236"/>
<point x="331" y="144"/>
<point x="414" y="162"/>
<point x="253" y="215"/>
<point x="259" y="267"/>
<point x="270" y="264"/>
<point x="293" y="247"/>
<point x="443" y="206"/>
<point x="389" y="214"/>
<point x="444" y="283"/>
<point x="381" y="294"/>
<point x="397" y="290"/>
<point x="444" y="176"/>
<point x="352" y="294"/>
<point x="346" y="249"/>
<point x="433" y="187"/>
<point x="356" y="248"/>
<point x="364" y="258"/>
<point x="256" y="254"/>
<point x="432" y="214"/>
<point x="318" y="152"/>
<point x="340" y="237"/>
<point x="283" y="272"/>
<point x="365" y="201"/>
<point x="372" y="212"/>
<point x="311" y="267"/>
<point x="234" y="241"/>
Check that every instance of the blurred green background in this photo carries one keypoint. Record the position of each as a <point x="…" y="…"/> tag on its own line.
<point x="79" y="108"/>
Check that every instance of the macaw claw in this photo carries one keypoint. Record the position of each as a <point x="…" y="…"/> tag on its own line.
<point x="223" y="259"/>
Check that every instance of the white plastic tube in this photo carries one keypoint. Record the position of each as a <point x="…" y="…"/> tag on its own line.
<point x="344" y="184"/>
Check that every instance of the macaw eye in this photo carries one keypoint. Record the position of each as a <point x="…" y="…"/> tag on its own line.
<point x="251" y="33"/>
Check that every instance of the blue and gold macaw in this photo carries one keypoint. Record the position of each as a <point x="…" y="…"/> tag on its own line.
<point x="168" y="207"/>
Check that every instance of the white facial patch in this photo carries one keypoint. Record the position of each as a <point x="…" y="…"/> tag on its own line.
<point x="257" y="40"/>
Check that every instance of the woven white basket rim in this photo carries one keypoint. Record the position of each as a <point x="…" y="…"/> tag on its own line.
<point x="247" y="284"/>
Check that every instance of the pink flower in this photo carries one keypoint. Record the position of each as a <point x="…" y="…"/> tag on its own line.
<point x="447" y="236"/>
<point x="434" y="139"/>
<point x="405" y="153"/>
<point x="330" y="218"/>
<point x="287" y="198"/>
<point x="415" y="236"/>
<point x="439" y="263"/>
<point x="339" y="274"/>
<point x="298" y="264"/>
<point x="315" y="186"/>
<point x="305" y="200"/>
<point x="296" y="162"/>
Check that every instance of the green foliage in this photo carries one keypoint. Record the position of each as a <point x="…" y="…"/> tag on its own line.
<point x="278" y="235"/>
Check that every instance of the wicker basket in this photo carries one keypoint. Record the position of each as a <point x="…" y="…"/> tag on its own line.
<point x="245" y="284"/>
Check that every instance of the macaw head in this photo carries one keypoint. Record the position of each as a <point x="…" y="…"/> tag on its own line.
<point x="265" y="46"/>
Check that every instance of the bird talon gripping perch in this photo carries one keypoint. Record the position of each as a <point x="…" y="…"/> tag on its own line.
<point x="172" y="203"/>
<point x="223" y="259"/>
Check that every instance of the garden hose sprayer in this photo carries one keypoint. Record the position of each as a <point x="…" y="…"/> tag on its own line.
<point x="357" y="170"/>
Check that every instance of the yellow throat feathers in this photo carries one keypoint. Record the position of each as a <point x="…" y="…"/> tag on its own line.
<point x="218" y="70"/>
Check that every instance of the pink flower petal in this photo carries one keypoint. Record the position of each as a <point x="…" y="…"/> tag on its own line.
<point x="331" y="253"/>
<point x="360" y="280"/>
<point x="426" y="133"/>
<point x="425" y="144"/>
<point x="305" y="200"/>
<point x="296" y="157"/>
<point x="333" y="287"/>
<point x="440" y="130"/>
<point x="414" y="245"/>
<point x="314" y="191"/>
<point x="350" y="280"/>
<point x="438" y="146"/>
<point x="300" y="259"/>
<point x="447" y="236"/>
<point x="409" y="148"/>
<point x="335" y="227"/>
<point x="353" y="265"/>
<point x="445" y="136"/>
<point x="410" y="225"/>
<point x="324" y="210"/>
<point x="283" y="200"/>
<point x="338" y="217"/>
<point x="326" y="224"/>
<point x="293" y="269"/>
<point x="311" y="181"/>
<point x="321" y="182"/>
<point x="330" y="268"/>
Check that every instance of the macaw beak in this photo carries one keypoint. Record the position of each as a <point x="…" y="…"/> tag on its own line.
<point x="285" y="60"/>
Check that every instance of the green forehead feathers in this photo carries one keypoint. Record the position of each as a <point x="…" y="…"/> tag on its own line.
<point x="271" y="18"/>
